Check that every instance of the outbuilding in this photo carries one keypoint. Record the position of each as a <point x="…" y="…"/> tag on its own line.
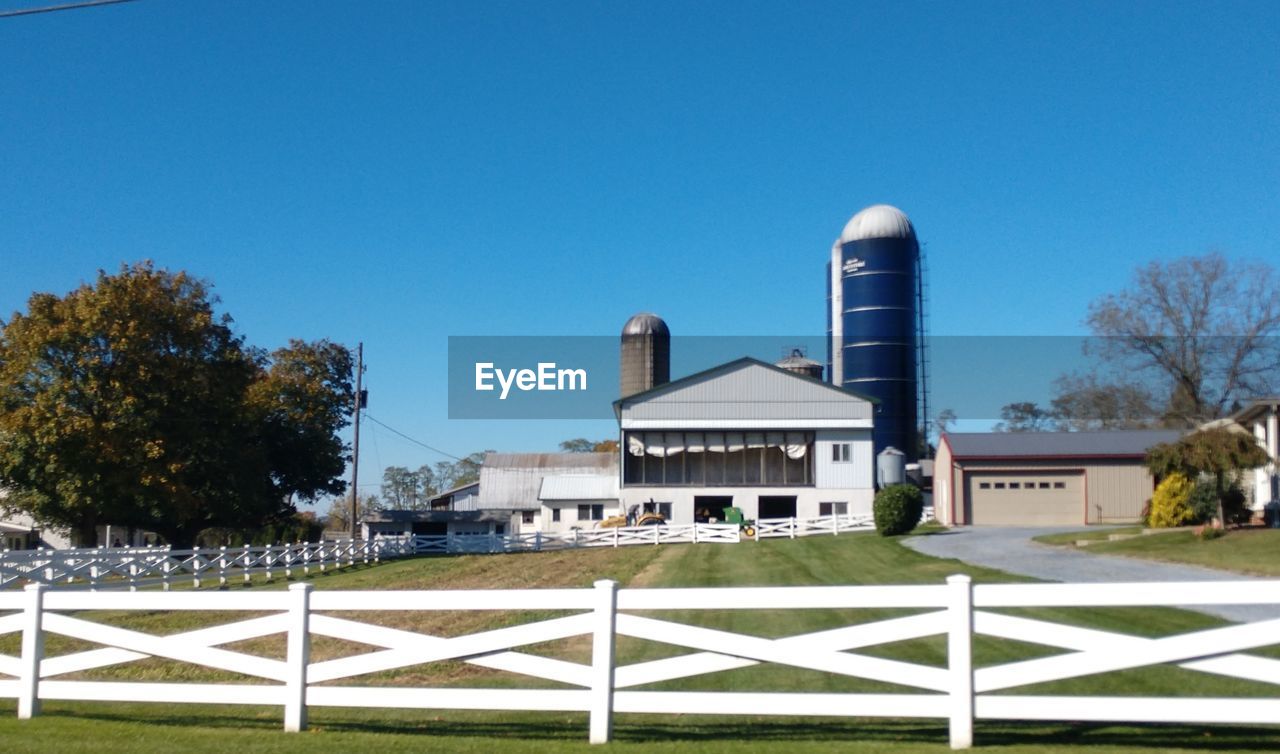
<point x="1044" y="478"/>
<point x="747" y="434"/>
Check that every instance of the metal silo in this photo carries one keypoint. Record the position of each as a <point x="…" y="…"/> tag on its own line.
<point x="874" y="320"/>
<point x="646" y="354"/>
<point x="797" y="361"/>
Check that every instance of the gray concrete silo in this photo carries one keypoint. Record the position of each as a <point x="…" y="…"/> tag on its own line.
<point x="646" y="354"/>
<point x="874" y="320"/>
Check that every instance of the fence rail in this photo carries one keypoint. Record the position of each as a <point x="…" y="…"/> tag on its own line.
<point x="137" y="567"/>
<point x="956" y="691"/>
<point x="133" y="568"/>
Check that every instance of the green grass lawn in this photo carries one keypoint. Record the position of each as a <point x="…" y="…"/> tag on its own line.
<point x="847" y="559"/>
<point x="1252" y="551"/>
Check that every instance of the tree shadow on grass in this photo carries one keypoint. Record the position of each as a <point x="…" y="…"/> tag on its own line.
<point x="641" y="729"/>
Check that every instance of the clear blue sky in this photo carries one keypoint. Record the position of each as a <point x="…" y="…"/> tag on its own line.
<point x="401" y="172"/>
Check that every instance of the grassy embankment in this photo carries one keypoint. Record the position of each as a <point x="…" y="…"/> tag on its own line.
<point x="1250" y="551"/>
<point x="858" y="559"/>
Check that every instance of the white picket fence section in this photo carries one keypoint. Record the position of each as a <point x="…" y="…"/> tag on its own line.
<point x="133" y="568"/>
<point x="955" y="691"/>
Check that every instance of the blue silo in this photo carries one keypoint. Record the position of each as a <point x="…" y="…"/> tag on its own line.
<point x="873" y="320"/>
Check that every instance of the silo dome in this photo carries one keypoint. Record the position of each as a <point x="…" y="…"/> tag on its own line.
<point x="646" y="323"/>
<point x="878" y="221"/>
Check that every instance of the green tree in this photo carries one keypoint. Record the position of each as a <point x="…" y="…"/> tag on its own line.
<point x="299" y="405"/>
<point x="401" y="488"/>
<point x="1024" y="417"/>
<point x="1218" y="452"/>
<point x="131" y="402"/>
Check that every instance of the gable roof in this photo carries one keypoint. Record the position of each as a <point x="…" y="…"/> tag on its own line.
<point x="1106" y="444"/>
<point x="512" y="481"/>
<point x="745" y="393"/>
<point x="725" y="368"/>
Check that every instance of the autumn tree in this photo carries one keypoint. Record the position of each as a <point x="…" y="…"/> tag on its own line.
<point x="583" y="445"/>
<point x="131" y="402"/>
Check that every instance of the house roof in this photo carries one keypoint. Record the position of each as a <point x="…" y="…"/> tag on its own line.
<point x="513" y="481"/>
<point x="1112" y="444"/>
<point x="454" y="491"/>
<point x="1258" y="408"/>
<point x="579" y="487"/>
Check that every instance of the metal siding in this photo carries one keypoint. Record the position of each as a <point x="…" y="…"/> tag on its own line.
<point x="1115" y="490"/>
<point x="1118" y="491"/>
<point x="753" y="392"/>
<point x="879" y="339"/>
<point x="857" y="473"/>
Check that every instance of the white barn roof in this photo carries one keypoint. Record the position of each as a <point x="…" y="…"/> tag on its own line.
<point x="513" y="481"/>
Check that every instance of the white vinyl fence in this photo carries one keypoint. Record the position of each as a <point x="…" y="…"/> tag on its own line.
<point x="955" y="691"/>
<point x="135" y="567"/>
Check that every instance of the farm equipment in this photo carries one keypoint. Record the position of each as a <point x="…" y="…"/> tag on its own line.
<point x="734" y="515"/>
<point x="645" y="519"/>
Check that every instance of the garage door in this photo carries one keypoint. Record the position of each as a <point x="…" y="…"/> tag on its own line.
<point x="1025" y="499"/>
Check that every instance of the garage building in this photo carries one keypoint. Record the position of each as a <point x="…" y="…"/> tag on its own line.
<point x="1044" y="478"/>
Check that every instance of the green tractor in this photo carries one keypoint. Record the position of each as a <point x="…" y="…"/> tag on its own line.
<point x="733" y="515"/>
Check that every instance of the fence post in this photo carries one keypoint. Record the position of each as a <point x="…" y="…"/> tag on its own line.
<point x="32" y="652"/>
<point x="222" y="566"/>
<point x="537" y="541"/>
<point x="791" y="527"/>
<point x="960" y="659"/>
<point x="615" y="536"/>
<point x="602" y="646"/>
<point x="247" y="563"/>
<point x="298" y="657"/>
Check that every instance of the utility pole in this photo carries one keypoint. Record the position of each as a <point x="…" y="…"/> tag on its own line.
<point x="355" y="444"/>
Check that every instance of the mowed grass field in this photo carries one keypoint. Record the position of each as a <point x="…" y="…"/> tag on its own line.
<point x="1250" y="551"/>
<point x="847" y="559"/>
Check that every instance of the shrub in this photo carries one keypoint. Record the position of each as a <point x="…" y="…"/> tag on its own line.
<point x="1203" y="501"/>
<point x="1206" y="532"/>
<point x="1170" y="505"/>
<point x="897" y="509"/>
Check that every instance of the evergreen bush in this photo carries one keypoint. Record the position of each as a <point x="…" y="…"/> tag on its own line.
<point x="897" y="509"/>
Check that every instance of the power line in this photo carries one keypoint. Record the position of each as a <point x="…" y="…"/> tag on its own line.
<point x="65" y="6"/>
<point x="395" y="431"/>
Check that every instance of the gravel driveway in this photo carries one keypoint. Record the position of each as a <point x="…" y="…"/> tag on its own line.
<point x="1011" y="549"/>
